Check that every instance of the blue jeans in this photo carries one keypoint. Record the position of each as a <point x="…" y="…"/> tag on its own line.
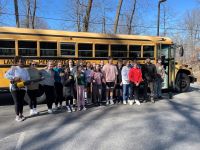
<point x="158" y="87"/>
<point x="126" y="91"/>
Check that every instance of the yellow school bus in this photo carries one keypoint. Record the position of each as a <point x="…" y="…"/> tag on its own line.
<point x="44" y="45"/>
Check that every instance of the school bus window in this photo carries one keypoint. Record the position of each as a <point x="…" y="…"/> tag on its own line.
<point x="148" y="51"/>
<point x="48" y="49"/>
<point x="134" y="51"/>
<point x="101" y="50"/>
<point x="7" y="48"/>
<point x="119" y="51"/>
<point x="67" y="49"/>
<point x="85" y="50"/>
<point x="27" y="48"/>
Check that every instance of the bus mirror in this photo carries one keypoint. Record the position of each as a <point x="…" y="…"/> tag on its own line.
<point x="181" y="51"/>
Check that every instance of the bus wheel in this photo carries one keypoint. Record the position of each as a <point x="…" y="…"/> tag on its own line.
<point x="182" y="82"/>
<point x="40" y="99"/>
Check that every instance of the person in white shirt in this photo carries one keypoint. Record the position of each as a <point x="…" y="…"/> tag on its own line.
<point x="16" y="74"/>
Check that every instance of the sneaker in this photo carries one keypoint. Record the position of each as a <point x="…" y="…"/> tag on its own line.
<point x="84" y="108"/>
<point x="22" y="117"/>
<point x="124" y="102"/>
<point x="107" y="102"/>
<point x="31" y="112"/>
<point x="68" y="109"/>
<point x="111" y="102"/>
<point x="73" y="109"/>
<point x="152" y="100"/>
<point x="18" y="119"/>
<point x="50" y="111"/>
<point x="79" y="109"/>
<point x="35" y="111"/>
<point x="130" y="102"/>
<point x="137" y="102"/>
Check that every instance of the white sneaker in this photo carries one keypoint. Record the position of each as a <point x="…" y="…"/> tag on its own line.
<point x="50" y="111"/>
<point x="18" y="119"/>
<point x="111" y="102"/>
<point x="130" y="102"/>
<point x="124" y="102"/>
<point x="84" y="108"/>
<point x="107" y="102"/>
<point x="68" y="109"/>
<point x="79" y="109"/>
<point x="32" y="112"/>
<point x="35" y="111"/>
<point x="73" y="109"/>
<point x="137" y="102"/>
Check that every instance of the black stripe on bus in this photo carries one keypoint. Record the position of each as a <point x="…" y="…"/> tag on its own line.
<point x="74" y="58"/>
<point x="32" y="34"/>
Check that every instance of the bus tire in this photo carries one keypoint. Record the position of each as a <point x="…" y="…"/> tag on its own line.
<point x="41" y="99"/>
<point x="182" y="83"/>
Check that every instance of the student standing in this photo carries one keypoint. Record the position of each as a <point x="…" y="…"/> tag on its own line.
<point x="149" y="74"/>
<point x="135" y="77"/>
<point x="125" y="81"/>
<point x="33" y="88"/>
<point x="97" y="80"/>
<point x="118" y="87"/>
<point x="68" y="90"/>
<point x="59" y="73"/>
<point x="110" y="74"/>
<point x="48" y="83"/>
<point x="80" y="86"/>
<point x="16" y="74"/>
<point x="159" y="79"/>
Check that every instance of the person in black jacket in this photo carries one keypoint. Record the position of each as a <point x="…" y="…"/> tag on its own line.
<point x="68" y="89"/>
<point x="149" y="74"/>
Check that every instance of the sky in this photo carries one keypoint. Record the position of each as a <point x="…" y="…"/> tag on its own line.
<point x="61" y="9"/>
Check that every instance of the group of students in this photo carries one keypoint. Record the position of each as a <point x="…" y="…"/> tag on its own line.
<point x="84" y="83"/>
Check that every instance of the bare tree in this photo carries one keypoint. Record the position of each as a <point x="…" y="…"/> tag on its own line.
<point x="117" y="15"/>
<point x="87" y="16"/>
<point x="16" y="13"/>
<point x="30" y="7"/>
<point x="192" y="24"/>
<point x="131" y="18"/>
<point x="34" y="14"/>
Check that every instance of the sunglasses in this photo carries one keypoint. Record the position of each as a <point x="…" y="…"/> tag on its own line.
<point x="34" y="64"/>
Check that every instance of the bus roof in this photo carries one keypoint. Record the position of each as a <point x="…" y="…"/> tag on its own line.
<point x="42" y="32"/>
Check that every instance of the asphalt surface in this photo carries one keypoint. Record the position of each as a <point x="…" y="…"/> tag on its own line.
<point x="167" y="124"/>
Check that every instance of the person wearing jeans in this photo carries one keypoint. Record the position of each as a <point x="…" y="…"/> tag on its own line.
<point x="16" y="74"/>
<point x="125" y="81"/>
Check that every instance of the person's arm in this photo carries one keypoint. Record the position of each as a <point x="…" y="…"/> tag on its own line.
<point x="10" y="74"/>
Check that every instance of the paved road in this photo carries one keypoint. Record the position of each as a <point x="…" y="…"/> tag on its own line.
<point x="167" y="124"/>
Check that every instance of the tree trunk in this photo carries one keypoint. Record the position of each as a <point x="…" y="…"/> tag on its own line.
<point x="28" y="13"/>
<point x="117" y="16"/>
<point x="78" y="21"/>
<point x="16" y="13"/>
<point x="34" y="12"/>
<point x="131" y="19"/>
<point x="87" y="16"/>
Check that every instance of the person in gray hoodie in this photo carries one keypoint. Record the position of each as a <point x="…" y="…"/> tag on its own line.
<point x="125" y="81"/>
<point x="48" y="83"/>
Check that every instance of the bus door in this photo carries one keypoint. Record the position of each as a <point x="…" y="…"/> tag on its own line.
<point x="166" y="53"/>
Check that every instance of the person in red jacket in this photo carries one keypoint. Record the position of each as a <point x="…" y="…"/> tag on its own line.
<point x="135" y="77"/>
